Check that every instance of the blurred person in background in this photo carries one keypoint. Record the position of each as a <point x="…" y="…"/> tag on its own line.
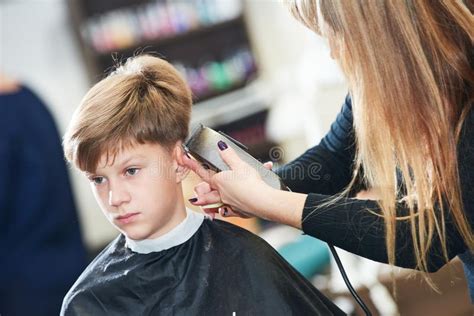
<point x="404" y="139"/>
<point x="42" y="252"/>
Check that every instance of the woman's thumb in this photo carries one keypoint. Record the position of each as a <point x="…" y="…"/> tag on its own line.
<point x="229" y="155"/>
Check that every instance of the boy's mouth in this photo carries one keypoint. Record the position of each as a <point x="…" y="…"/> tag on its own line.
<point x="126" y="218"/>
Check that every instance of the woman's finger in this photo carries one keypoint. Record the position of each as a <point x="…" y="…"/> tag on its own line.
<point x="228" y="211"/>
<point x="202" y="188"/>
<point x="195" y="166"/>
<point x="229" y="156"/>
<point x="211" y="197"/>
<point x="211" y="212"/>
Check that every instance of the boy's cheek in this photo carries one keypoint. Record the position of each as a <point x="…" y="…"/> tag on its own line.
<point x="94" y="190"/>
<point x="102" y="201"/>
<point x="98" y="193"/>
<point x="108" y="216"/>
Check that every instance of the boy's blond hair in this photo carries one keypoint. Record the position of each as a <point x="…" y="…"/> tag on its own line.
<point x="143" y="101"/>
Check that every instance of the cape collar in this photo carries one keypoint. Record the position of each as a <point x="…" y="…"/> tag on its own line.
<point x="177" y="236"/>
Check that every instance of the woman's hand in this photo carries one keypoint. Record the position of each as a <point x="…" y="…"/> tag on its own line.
<point x="227" y="186"/>
<point x="243" y="189"/>
<point x="206" y="197"/>
<point x="210" y="202"/>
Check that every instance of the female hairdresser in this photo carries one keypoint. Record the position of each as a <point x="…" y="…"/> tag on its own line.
<point x="405" y="132"/>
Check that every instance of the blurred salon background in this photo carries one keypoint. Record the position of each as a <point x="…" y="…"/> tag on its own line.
<point x="256" y="74"/>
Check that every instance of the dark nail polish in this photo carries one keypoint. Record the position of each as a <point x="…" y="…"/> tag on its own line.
<point x="193" y="200"/>
<point x="222" y="145"/>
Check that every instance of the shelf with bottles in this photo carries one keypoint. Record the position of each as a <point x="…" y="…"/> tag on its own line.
<point x="206" y="40"/>
<point x="210" y="74"/>
<point x="213" y="77"/>
<point x="155" y="23"/>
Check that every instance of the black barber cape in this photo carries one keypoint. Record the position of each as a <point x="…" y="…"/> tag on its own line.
<point x="221" y="270"/>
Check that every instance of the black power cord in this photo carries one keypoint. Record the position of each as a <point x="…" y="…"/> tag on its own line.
<point x="348" y="283"/>
<point x="346" y="279"/>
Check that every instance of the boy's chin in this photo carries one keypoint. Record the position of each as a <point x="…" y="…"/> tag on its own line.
<point x="134" y="235"/>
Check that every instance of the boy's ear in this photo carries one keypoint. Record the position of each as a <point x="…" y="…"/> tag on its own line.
<point x="181" y="169"/>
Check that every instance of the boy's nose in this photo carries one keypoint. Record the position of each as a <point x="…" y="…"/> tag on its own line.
<point x="118" y="196"/>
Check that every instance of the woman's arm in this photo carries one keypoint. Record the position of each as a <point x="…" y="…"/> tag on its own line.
<point x="350" y="224"/>
<point x="347" y="223"/>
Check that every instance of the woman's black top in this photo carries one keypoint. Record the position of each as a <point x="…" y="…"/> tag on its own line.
<point x="327" y="168"/>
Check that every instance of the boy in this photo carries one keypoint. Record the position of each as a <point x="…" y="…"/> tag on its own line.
<point x="126" y="137"/>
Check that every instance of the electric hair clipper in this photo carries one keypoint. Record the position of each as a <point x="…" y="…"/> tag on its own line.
<point x="202" y="145"/>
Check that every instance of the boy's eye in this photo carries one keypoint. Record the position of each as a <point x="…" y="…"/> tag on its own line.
<point x="97" y="180"/>
<point x="132" y="171"/>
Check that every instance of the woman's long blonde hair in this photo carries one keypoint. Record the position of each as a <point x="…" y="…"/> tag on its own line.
<point x="410" y="69"/>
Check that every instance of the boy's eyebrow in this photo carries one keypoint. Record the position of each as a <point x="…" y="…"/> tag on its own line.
<point x="128" y="159"/>
<point x="121" y="164"/>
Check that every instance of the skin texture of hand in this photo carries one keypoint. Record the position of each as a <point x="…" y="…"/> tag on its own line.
<point x="205" y="195"/>
<point x="243" y="189"/>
